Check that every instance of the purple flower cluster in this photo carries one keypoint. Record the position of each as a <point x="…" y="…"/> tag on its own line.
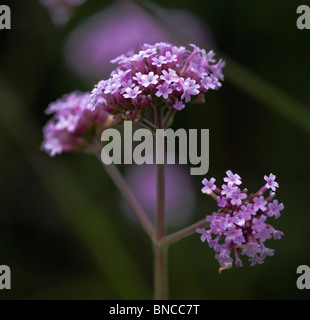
<point x="73" y="125"/>
<point x="240" y="223"/>
<point x="160" y="75"/>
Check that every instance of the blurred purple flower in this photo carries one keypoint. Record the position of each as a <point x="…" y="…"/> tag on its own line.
<point x="179" y="192"/>
<point x="61" y="10"/>
<point x="91" y="46"/>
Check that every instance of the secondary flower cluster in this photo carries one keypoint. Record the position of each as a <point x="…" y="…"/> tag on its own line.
<point x="159" y="74"/>
<point x="73" y="125"/>
<point x="240" y="223"/>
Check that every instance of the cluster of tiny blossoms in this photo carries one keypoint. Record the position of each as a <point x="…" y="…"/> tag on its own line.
<point x="160" y="75"/>
<point x="73" y="126"/>
<point x="240" y="223"/>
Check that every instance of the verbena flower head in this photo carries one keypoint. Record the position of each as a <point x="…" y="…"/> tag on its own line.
<point x="162" y="75"/>
<point x="239" y="225"/>
<point x="73" y="126"/>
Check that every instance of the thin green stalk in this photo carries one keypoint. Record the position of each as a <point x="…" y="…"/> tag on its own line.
<point x="122" y="186"/>
<point x="160" y="272"/>
<point x="168" y="116"/>
<point x="160" y="253"/>
<point x="148" y="125"/>
<point x="180" y="235"/>
<point x="268" y="94"/>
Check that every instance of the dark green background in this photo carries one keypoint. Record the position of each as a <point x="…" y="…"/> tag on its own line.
<point x="61" y="229"/>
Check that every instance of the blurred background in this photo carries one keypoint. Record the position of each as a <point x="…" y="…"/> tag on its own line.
<point x="64" y="230"/>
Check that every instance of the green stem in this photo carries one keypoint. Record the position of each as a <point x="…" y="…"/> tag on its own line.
<point x="168" y="116"/>
<point x="122" y="186"/>
<point x="180" y="235"/>
<point x="160" y="176"/>
<point x="268" y="94"/>
<point x="160" y="272"/>
<point x="148" y="125"/>
<point x="160" y="253"/>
